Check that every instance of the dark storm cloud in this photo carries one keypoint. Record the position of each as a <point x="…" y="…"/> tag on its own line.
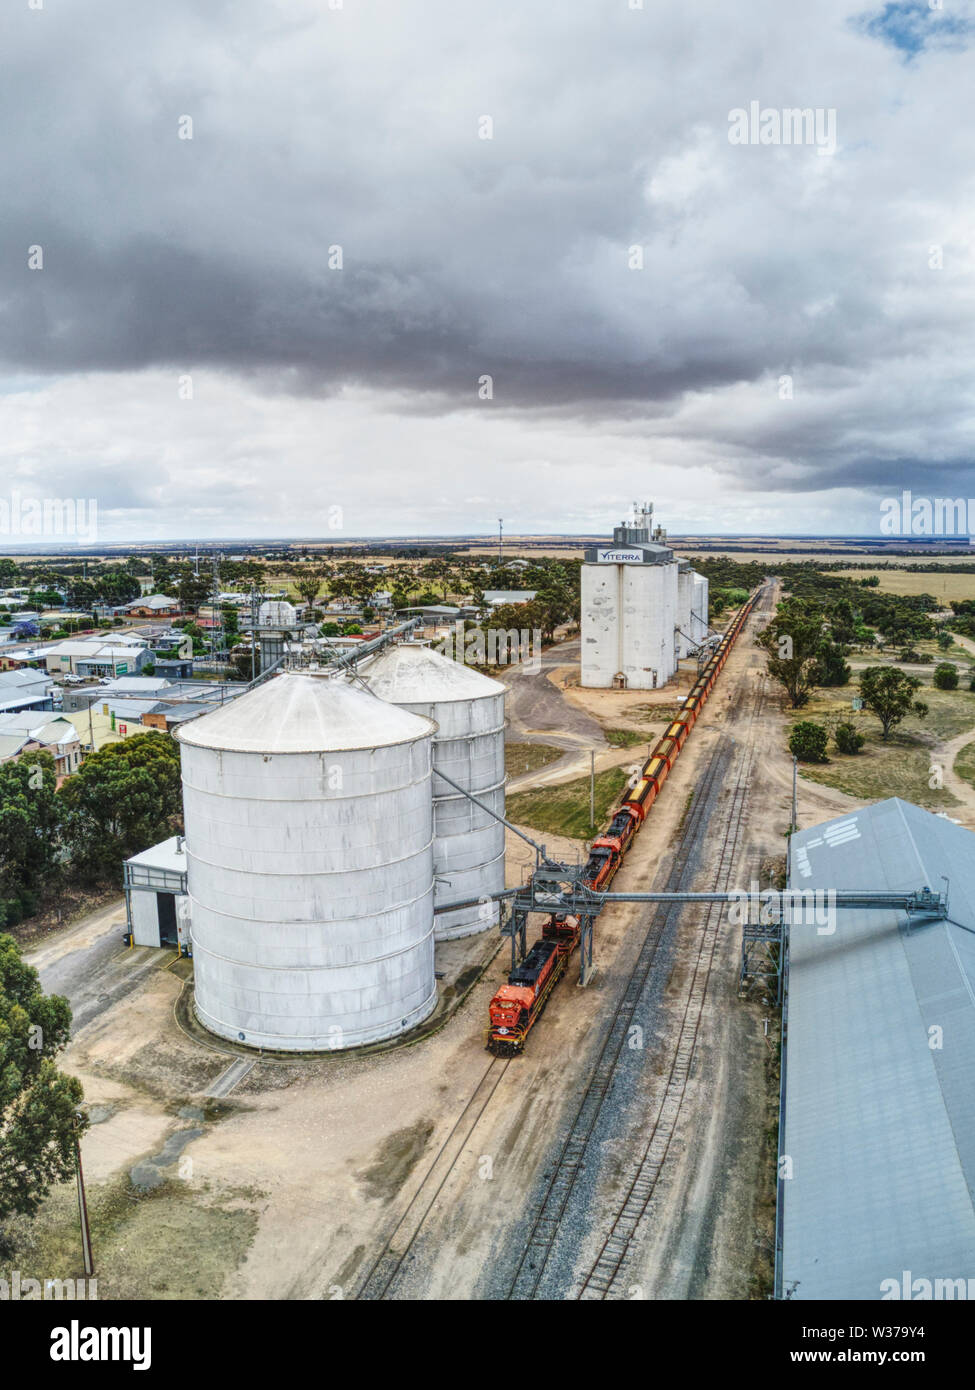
<point x="463" y="257"/>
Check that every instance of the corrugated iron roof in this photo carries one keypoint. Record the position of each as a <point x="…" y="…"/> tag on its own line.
<point x="411" y="674"/>
<point x="879" y="1120"/>
<point x="294" y="713"/>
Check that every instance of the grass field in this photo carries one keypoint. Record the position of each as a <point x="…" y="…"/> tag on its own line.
<point x="944" y="587"/>
<point x="564" y="810"/>
<point x="901" y="766"/>
<point x="624" y="738"/>
<point x="520" y="758"/>
<point x="965" y="763"/>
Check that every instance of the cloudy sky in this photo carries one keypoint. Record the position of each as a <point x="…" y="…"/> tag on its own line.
<point x="268" y="266"/>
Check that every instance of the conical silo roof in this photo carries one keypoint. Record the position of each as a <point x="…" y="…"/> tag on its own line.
<point x="410" y="674"/>
<point x="294" y="713"/>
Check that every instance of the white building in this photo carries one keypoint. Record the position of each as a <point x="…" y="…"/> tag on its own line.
<point x="630" y="609"/>
<point x="643" y="610"/>
<point x="277" y="613"/>
<point x="156" y="902"/>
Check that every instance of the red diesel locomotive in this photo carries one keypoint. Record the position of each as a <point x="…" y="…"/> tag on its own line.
<point x="518" y="1004"/>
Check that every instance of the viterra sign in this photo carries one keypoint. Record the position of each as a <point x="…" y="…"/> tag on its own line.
<point x="619" y="557"/>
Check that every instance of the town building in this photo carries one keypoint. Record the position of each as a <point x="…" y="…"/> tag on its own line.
<point x="25" y="689"/>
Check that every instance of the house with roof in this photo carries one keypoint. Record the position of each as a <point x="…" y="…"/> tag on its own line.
<point x="153" y="606"/>
<point x="27" y="730"/>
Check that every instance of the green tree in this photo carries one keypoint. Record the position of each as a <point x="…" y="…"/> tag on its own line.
<point x="117" y="585"/>
<point x="192" y="589"/>
<point x="945" y="676"/>
<point x="123" y="799"/>
<point x="309" y="586"/>
<point x="29" y="823"/>
<point x="808" y="741"/>
<point x="890" y="695"/>
<point x="793" y="640"/>
<point x="831" y="667"/>
<point x="944" y="641"/>
<point x="38" y="1103"/>
<point x="847" y="738"/>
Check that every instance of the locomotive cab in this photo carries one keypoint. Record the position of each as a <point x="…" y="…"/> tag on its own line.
<point x="510" y="1009"/>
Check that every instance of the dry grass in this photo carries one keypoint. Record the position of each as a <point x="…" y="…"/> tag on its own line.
<point x="520" y="758"/>
<point x="943" y="587"/>
<point x="901" y="765"/>
<point x="564" y="809"/>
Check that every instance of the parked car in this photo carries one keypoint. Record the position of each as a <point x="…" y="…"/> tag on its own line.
<point x="73" y="680"/>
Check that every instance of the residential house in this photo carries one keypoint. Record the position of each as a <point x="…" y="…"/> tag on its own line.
<point x="154" y="606"/>
<point x="28" y="730"/>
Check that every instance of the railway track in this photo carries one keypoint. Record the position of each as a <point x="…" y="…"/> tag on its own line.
<point x="568" y="1165"/>
<point x="605" y="1274"/>
<point x="388" y="1266"/>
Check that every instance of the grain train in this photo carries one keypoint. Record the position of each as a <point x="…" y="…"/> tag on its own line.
<point x="516" y="1007"/>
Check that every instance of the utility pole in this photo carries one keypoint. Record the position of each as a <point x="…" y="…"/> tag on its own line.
<point x="82" y="1204"/>
<point x="592" y="787"/>
<point x="214" y="609"/>
<point x="500" y="540"/>
<point x="795" y="790"/>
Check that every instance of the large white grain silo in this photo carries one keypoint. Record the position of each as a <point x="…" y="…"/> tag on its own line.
<point x="468" y="844"/>
<point x="699" y="608"/>
<point x="629" y="610"/>
<point x="685" y="606"/>
<point x="309" y="829"/>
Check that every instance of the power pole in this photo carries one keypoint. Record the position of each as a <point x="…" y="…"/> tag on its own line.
<point x="592" y="787"/>
<point x="500" y="540"/>
<point x="795" y="790"/>
<point x="83" y="1206"/>
<point x="214" y="608"/>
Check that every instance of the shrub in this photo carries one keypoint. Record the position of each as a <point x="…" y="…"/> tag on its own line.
<point x="808" y="741"/>
<point x="945" y="677"/>
<point x="847" y="739"/>
<point x="909" y="654"/>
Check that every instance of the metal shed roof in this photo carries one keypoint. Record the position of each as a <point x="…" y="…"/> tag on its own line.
<point x="408" y="674"/>
<point x="879" y="1121"/>
<point x="294" y="713"/>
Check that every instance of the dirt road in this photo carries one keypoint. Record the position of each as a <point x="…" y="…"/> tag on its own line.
<point x="89" y="964"/>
